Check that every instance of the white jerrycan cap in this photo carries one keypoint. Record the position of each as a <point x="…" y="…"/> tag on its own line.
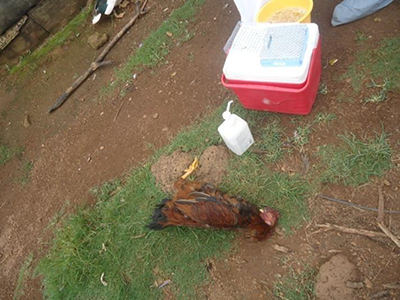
<point x="227" y="114"/>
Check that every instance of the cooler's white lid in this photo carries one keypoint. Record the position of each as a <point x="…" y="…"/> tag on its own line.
<point x="243" y="60"/>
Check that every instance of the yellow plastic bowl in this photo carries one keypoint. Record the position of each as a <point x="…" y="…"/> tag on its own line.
<point x="274" y="5"/>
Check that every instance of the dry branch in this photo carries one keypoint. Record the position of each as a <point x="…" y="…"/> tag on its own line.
<point x="389" y="234"/>
<point x="368" y="233"/>
<point x="381" y="205"/>
<point x="99" y="61"/>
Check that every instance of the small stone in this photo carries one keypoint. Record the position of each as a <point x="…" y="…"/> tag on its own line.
<point x="169" y="33"/>
<point x="386" y="182"/>
<point x="27" y="121"/>
<point x="102" y="113"/>
<point x="155" y="116"/>
<point x="144" y="116"/>
<point x="173" y="74"/>
<point x="165" y="129"/>
<point x="102" y="148"/>
<point x="97" y="40"/>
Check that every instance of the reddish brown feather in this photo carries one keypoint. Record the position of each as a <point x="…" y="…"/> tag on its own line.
<point x="198" y="204"/>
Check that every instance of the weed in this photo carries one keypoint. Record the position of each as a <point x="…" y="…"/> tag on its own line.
<point x="191" y="56"/>
<point x="300" y="137"/>
<point x="26" y="172"/>
<point x="357" y="161"/>
<point x="323" y="89"/>
<point x="381" y="95"/>
<point x="58" y="39"/>
<point x="324" y="118"/>
<point x="24" y="274"/>
<point x="297" y="285"/>
<point x="360" y="37"/>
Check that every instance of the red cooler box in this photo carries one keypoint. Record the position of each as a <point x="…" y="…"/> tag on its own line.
<point x="285" y="89"/>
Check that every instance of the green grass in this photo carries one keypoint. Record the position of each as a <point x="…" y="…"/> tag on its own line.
<point x="58" y="39"/>
<point x="381" y="95"/>
<point x="7" y="153"/>
<point x="159" y="43"/>
<point x="377" y="64"/>
<point x="24" y="274"/>
<point x="296" y="286"/>
<point x="357" y="160"/>
<point x="271" y="141"/>
<point x="111" y="237"/>
<point x="250" y="178"/>
<point x="73" y="267"/>
<point x="26" y="172"/>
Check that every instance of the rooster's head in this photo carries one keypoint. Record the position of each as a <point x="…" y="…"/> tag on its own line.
<point x="270" y="216"/>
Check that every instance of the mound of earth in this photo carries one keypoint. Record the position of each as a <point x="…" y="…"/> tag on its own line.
<point x="334" y="278"/>
<point x="213" y="165"/>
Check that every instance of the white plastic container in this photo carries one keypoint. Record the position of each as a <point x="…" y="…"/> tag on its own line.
<point x="243" y="60"/>
<point x="235" y="132"/>
<point x="248" y="9"/>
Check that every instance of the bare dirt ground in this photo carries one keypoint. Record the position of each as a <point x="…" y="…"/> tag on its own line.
<point x="82" y="145"/>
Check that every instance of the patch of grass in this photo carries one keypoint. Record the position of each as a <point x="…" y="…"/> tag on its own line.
<point x="24" y="274"/>
<point x="159" y="43"/>
<point x="357" y="161"/>
<point x="377" y="64"/>
<point x="296" y="286"/>
<point x="7" y="153"/>
<point x="58" y="39"/>
<point x="107" y="190"/>
<point x="271" y="141"/>
<point x="251" y="179"/>
<point x="111" y="238"/>
<point x="26" y="172"/>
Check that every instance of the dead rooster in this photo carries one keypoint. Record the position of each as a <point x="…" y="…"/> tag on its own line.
<point x="199" y="204"/>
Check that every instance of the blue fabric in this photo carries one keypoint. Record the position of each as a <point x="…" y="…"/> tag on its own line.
<point x="350" y="10"/>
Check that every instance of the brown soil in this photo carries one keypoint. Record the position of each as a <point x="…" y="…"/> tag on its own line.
<point x="83" y="144"/>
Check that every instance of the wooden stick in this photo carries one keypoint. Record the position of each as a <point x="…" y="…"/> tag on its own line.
<point x="99" y="61"/>
<point x="368" y="233"/>
<point x="381" y="205"/>
<point x="93" y="67"/>
<point x="119" y="110"/>
<point x="392" y="285"/>
<point x="389" y="234"/>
